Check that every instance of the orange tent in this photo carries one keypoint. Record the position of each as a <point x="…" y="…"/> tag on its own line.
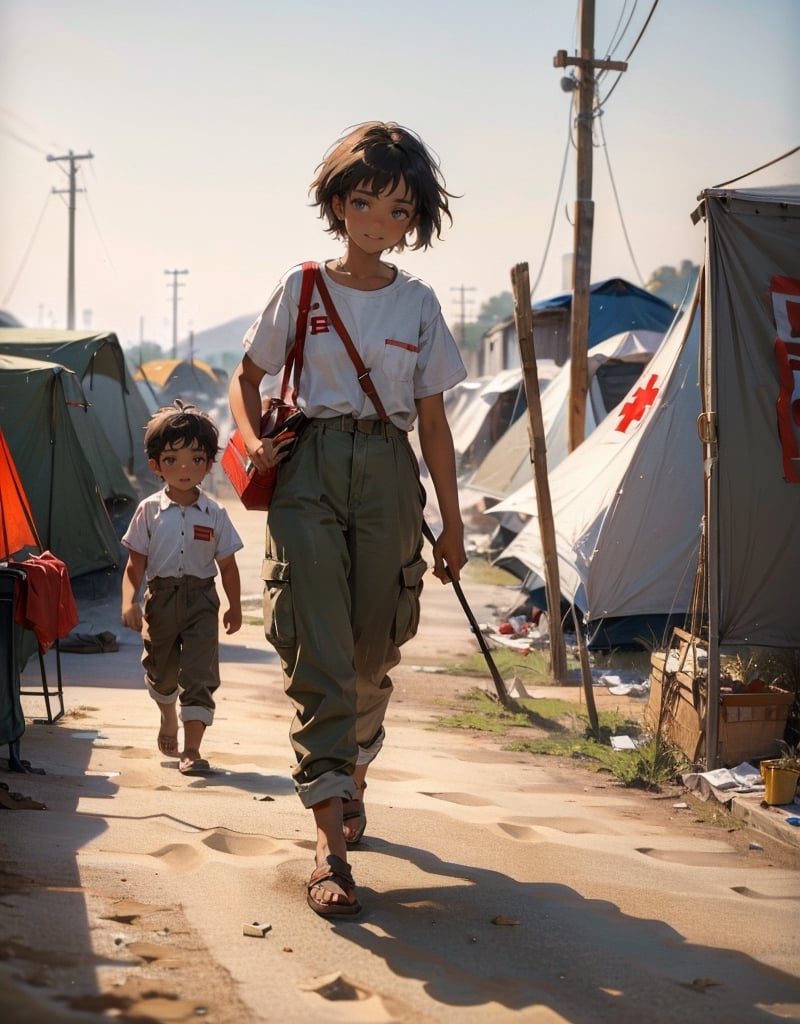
<point x="17" y="528"/>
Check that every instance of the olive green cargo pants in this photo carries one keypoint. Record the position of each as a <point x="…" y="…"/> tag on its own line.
<point x="343" y="575"/>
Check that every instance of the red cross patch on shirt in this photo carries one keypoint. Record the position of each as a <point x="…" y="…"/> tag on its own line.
<point x="203" y="532"/>
<point x="319" y="324"/>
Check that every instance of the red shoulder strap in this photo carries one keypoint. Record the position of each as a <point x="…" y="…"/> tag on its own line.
<point x="364" y="378"/>
<point x="294" y="360"/>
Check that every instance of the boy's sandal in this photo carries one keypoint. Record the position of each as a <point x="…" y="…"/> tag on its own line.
<point x="335" y="879"/>
<point x="354" y="810"/>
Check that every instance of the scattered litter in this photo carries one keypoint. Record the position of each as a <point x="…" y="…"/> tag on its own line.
<point x="680" y="806"/>
<point x="700" y="984"/>
<point x="793" y="821"/>
<point x="624" y="743"/>
<point x="502" y="919"/>
<point x="631" y="690"/>
<point x="517" y="689"/>
<point x="755" y="846"/>
<point x="89" y="643"/>
<point x="744" y="778"/>
<point x="426" y="668"/>
<point x="256" y="929"/>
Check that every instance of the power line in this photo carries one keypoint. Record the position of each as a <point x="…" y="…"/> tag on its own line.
<point x="17" y="276"/>
<point x="616" y="199"/>
<point x="630" y="54"/>
<point x="761" y="168"/>
<point x="567" y="148"/>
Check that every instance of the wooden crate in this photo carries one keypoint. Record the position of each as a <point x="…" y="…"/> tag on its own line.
<point x="749" y="723"/>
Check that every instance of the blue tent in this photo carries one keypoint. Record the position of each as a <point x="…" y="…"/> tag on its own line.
<point x="616" y="305"/>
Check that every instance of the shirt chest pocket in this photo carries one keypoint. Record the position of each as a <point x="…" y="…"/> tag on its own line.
<point x="399" y="359"/>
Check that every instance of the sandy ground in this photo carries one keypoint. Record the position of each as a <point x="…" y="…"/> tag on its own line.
<point x="497" y="886"/>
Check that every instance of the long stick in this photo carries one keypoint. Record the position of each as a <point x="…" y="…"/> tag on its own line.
<point x="544" y="508"/>
<point x="500" y="686"/>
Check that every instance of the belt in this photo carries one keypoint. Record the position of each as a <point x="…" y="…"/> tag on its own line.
<point x="351" y="425"/>
<point x="176" y="582"/>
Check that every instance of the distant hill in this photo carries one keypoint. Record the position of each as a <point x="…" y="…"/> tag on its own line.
<point x="219" y="345"/>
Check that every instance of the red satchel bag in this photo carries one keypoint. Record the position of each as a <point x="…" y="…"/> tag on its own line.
<point x="256" y="489"/>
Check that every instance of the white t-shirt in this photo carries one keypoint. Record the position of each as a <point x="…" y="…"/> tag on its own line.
<point x="181" y="540"/>
<point x="399" y="332"/>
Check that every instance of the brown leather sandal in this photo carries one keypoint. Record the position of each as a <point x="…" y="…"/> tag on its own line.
<point x="336" y="879"/>
<point x="353" y="810"/>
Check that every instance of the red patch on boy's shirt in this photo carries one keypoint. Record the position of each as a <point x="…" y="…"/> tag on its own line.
<point x="203" y="532"/>
<point x="319" y="324"/>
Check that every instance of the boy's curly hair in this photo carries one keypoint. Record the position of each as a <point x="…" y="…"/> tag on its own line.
<point x="178" y="426"/>
<point x="377" y="156"/>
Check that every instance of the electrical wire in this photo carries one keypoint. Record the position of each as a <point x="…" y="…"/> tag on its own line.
<point x="99" y="233"/>
<point x="17" y="276"/>
<point x="630" y="54"/>
<point x="761" y="168"/>
<point x="616" y="199"/>
<point x="567" y="148"/>
<point x="616" y="40"/>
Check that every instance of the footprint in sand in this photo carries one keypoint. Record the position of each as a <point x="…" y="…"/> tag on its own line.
<point x="464" y="799"/>
<point x="128" y="911"/>
<point x="696" y="858"/>
<point x="754" y="894"/>
<point x="178" y="856"/>
<point x="371" y="1006"/>
<point x="151" y="951"/>
<point x="573" y="826"/>
<point x="183" y="857"/>
<point x="224" y="841"/>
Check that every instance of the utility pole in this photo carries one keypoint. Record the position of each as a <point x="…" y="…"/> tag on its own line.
<point x="584" y="217"/>
<point x="462" y="289"/>
<point x="175" y="274"/>
<point x="73" y="159"/>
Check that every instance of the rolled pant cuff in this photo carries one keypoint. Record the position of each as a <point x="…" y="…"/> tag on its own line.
<point x="194" y="714"/>
<point x="328" y="785"/>
<point x="368" y="754"/>
<point x="161" y="698"/>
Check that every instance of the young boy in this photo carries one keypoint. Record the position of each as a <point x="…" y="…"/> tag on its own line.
<point x="175" y="537"/>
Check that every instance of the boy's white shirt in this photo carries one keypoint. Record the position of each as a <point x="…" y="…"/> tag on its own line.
<point x="181" y="540"/>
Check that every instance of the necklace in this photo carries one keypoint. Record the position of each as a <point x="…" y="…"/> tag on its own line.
<point x="341" y="267"/>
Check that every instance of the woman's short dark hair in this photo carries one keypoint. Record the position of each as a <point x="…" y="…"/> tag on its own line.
<point x="177" y="426"/>
<point x="377" y="156"/>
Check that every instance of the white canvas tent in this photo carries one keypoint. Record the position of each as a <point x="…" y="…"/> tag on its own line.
<point x="482" y="419"/>
<point x="627" y="504"/>
<point x="507" y="466"/>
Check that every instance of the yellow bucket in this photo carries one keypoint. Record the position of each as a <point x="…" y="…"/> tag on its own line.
<point x="780" y="784"/>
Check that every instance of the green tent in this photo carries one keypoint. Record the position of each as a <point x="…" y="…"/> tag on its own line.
<point x="59" y="455"/>
<point x="100" y="364"/>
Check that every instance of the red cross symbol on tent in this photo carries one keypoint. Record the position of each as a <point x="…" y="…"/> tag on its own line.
<point x="638" y="405"/>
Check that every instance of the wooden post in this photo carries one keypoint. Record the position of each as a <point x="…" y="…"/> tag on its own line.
<point x="586" y="676"/>
<point x="520" y="281"/>
<point x="584" y="226"/>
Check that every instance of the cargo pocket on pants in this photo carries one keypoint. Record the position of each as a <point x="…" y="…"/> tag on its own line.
<point x="279" y="626"/>
<point x="406" y="620"/>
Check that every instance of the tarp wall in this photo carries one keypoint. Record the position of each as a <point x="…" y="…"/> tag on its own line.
<point x="752" y="385"/>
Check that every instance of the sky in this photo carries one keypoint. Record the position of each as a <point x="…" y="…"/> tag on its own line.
<point x="207" y="119"/>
